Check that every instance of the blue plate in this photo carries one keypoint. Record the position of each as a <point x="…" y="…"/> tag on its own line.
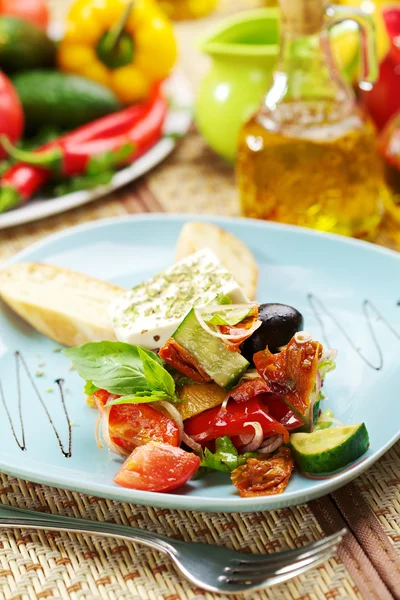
<point x="345" y="289"/>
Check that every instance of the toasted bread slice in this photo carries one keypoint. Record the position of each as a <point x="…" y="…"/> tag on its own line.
<point x="232" y="252"/>
<point x="67" y="307"/>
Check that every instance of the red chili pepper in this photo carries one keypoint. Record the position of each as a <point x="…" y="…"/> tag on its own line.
<point x="75" y="157"/>
<point x="217" y="422"/>
<point x="23" y="180"/>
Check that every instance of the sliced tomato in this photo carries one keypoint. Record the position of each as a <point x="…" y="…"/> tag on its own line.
<point x="132" y="425"/>
<point x="100" y="398"/>
<point x="157" y="468"/>
<point x="217" y="422"/>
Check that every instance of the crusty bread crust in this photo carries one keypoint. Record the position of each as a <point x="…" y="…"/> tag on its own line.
<point x="65" y="306"/>
<point x="232" y="252"/>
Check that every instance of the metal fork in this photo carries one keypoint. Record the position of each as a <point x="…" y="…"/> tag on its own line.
<point x="212" y="568"/>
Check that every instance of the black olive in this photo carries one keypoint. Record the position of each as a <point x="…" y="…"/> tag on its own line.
<point x="279" y="324"/>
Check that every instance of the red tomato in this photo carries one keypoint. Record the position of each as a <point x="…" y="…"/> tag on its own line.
<point x="132" y="425"/>
<point x="35" y="11"/>
<point x="157" y="468"/>
<point x="11" y="113"/>
<point x="214" y="422"/>
<point x="383" y="101"/>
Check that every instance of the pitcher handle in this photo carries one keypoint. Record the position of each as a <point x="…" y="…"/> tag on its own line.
<point x="337" y="14"/>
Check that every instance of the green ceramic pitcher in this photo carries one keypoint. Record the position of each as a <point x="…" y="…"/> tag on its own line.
<point x="243" y="49"/>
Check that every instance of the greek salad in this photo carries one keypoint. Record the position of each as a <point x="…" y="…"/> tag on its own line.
<point x="201" y="379"/>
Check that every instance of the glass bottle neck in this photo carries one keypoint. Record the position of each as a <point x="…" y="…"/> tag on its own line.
<point x="306" y="74"/>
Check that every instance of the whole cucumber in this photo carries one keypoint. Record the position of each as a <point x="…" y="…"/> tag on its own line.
<point x="61" y="100"/>
<point x="23" y="45"/>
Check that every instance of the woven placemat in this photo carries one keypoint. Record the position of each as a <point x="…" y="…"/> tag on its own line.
<point x="61" y="566"/>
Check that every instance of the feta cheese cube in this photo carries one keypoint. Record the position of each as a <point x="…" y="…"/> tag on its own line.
<point x="148" y="314"/>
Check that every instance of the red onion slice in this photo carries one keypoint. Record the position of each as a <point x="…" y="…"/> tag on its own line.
<point x="97" y="435"/>
<point x="302" y="337"/>
<point x="224" y="404"/>
<point x="257" y="439"/>
<point x="191" y="443"/>
<point x="246" y="439"/>
<point x="226" y="337"/>
<point x="330" y="354"/>
<point x="169" y="410"/>
<point x="105" y="431"/>
<point x="271" y="444"/>
<point x="200" y="437"/>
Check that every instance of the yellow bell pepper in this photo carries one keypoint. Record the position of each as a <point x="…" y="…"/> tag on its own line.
<point x="124" y="45"/>
<point x="187" y="9"/>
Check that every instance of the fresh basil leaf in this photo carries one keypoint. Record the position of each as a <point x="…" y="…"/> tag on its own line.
<point x="226" y="316"/>
<point x="185" y="381"/>
<point x="136" y="399"/>
<point x="90" y="388"/>
<point x="113" y="366"/>
<point x="157" y="377"/>
<point x="225" y="458"/>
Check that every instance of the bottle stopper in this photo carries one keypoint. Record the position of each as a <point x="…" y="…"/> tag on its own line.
<point x="303" y="17"/>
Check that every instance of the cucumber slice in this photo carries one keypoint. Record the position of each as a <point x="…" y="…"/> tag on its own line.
<point x="223" y="366"/>
<point x="328" y="450"/>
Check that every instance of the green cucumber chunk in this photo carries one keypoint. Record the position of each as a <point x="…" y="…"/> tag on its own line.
<point x="328" y="450"/>
<point x="223" y="366"/>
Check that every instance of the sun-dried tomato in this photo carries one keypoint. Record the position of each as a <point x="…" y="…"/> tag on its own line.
<point x="241" y="331"/>
<point x="264" y="476"/>
<point x="249" y="388"/>
<point x="175" y="355"/>
<point x="291" y="373"/>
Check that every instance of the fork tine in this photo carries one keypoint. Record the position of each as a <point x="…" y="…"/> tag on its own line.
<point x="255" y="560"/>
<point x="298" y="570"/>
<point x="276" y="575"/>
<point x="283" y="558"/>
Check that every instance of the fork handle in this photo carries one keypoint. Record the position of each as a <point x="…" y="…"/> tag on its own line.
<point x="27" y="519"/>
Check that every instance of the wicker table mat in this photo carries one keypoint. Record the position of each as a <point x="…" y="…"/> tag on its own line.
<point x="60" y="566"/>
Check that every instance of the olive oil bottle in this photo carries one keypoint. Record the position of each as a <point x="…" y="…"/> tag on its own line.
<point x="308" y="157"/>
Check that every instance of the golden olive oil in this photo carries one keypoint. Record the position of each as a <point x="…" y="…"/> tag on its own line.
<point x="325" y="174"/>
<point x="309" y="156"/>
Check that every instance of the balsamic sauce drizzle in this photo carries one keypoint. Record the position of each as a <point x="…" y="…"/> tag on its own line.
<point x="20" y="361"/>
<point x="317" y="306"/>
<point x="369" y="311"/>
